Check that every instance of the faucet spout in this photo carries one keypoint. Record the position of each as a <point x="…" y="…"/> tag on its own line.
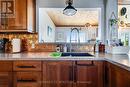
<point x="76" y="39"/>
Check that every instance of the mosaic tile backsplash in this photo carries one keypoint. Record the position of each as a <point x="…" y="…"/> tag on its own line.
<point x="26" y="40"/>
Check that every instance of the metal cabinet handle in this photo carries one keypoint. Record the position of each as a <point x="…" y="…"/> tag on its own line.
<point x="91" y="64"/>
<point x="75" y="74"/>
<point x="26" y="66"/>
<point x="24" y="80"/>
<point x="71" y="73"/>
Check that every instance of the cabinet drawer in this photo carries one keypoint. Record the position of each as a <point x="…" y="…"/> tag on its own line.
<point x="6" y="66"/>
<point x="27" y="66"/>
<point x="27" y="85"/>
<point x="27" y="79"/>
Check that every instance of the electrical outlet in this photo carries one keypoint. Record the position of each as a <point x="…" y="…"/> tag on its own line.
<point x="33" y="45"/>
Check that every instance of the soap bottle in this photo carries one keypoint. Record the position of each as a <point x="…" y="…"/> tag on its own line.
<point x="126" y="42"/>
<point x="65" y="48"/>
<point x="96" y="47"/>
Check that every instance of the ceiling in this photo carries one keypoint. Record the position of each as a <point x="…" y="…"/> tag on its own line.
<point x="124" y="2"/>
<point x="80" y="19"/>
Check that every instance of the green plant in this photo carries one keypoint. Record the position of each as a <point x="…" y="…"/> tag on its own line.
<point x="113" y="21"/>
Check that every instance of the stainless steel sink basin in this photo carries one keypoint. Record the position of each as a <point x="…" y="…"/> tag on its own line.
<point x="76" y="54"/>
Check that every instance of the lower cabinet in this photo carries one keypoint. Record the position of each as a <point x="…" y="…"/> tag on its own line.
<point x="6" y="74"/>
<point x="27" y="79"/>
<point x="62" y="74"/>
<point x="27" y="73"/>
<point x="58" y="74"/>
<point x="73" y="74"/>
<point x="6" y="79"/>
<point x="89" y="74"/>
<point x="116" y="76"/>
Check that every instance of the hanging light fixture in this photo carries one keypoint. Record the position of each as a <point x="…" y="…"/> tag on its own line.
<point x="69" y="10"/>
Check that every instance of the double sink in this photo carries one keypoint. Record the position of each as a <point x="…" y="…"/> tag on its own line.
<point x="72" y="54"/>
<point x="76" y="54"/>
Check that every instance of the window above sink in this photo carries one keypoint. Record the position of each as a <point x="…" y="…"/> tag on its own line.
<point x="55" y="27"/>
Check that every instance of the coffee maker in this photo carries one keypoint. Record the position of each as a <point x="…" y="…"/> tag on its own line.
<point x="3" y="41"/>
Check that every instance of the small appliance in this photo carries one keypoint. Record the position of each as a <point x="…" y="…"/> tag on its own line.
<point x="16" y="45"/>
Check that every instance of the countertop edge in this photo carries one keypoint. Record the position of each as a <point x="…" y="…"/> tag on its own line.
<point x="114" y="59"/>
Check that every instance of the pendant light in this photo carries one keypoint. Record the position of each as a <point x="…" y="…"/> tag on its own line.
<point x="69" y="10"/>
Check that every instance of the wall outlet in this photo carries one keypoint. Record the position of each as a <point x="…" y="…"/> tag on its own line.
<point x="33" y="45"/>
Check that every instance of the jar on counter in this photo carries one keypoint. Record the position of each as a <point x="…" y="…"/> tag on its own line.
<point x="58" y="48"/>
<point x="101" y="47"/>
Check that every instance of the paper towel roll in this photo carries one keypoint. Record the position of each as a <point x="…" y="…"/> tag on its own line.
<point x="16" y="45"/>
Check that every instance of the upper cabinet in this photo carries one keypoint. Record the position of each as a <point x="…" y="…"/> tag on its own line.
<point x="18" y="16"/>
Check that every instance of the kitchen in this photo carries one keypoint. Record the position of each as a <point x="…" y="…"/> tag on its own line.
<point x="41" y="45"/>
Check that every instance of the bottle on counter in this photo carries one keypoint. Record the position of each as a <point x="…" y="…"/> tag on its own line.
<point x="101" y="47"/>
<point x="65" y="48"/>
<point x="120" y="43"/>
<point x="126" y="42"/>
<point x="96" y="47"/>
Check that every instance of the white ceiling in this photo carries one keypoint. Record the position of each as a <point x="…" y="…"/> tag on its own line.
<point x="80" y="19"/>
<point x="124" y="2"/>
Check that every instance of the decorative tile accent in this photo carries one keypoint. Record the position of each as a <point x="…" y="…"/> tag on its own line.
<point x="26" y="40"/>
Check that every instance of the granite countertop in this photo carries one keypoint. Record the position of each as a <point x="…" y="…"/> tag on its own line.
<point x="120" y="60"/>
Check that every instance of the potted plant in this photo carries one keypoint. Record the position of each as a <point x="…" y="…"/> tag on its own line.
<point x="113" y="21"/>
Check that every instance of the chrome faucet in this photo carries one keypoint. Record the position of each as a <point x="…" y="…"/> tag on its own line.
<point x="74" y="29"/>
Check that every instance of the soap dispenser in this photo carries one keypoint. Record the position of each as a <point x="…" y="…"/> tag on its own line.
<point x="65" y="48"/>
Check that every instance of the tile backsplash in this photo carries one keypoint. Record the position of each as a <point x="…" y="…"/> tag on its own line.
<point x="30" y="43"/>
<point x="26" y="39"/>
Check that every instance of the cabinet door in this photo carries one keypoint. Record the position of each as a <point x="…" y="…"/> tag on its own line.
<point x="88" y="74"/>
<point x="19" y="21"/>
<point x="118" y="77"/>
<point x="107" y="74"/>
<point x="5" y="79"/>
<point x="21" y="18"/>
<point x="57" y="74"/>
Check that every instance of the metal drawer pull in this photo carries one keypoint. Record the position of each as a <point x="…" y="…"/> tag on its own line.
<point x="91" y="64"/>
<point x="75" y="74"/>
<point x="71" y="73"/>
<point x="26" y="66"/>
<point x="85" y="64"/>
<point x="22" y="80"/>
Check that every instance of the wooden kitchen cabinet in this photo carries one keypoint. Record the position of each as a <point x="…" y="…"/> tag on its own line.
<point x="22" y="18"/>
<point x="6" y="66"/>
<point x="116" y="76"/>
<point x="107" y="74"/>
<point x="6" y="79"/>
<point x="89" y="74"/>
<point x="27" y="79"/>
<point x="62" y="74"/>
<point x="27" y="73"/>
<point x="27" y="66"/>
<point x="6" y="74"/>
<point x="73" y="74"/>
<point x="58" y="74"/>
